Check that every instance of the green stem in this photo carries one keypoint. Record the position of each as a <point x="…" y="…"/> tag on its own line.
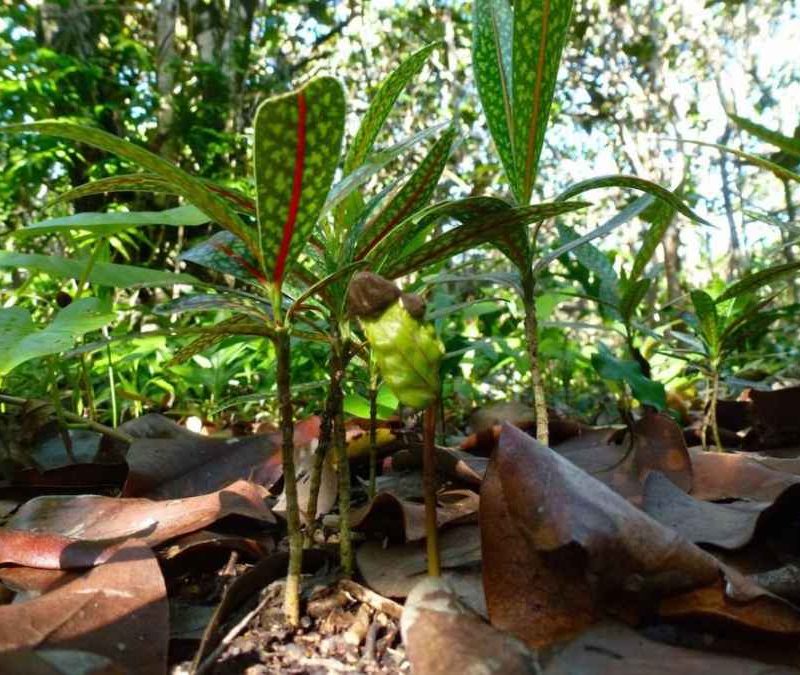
<point x="62" y="421"/>
<point x="291" y="600"/>
<point x="429" y="488"/>
<point x="712" y="410"/>
<point x="532" y="338"/>
<point x="325" y="432"/>
<point x="373" y="430"/>
<point x="340" y="447"/>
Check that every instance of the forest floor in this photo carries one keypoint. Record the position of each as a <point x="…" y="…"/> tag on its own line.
<point x="618" y="551"/>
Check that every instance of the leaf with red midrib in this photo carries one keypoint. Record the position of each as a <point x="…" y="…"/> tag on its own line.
<point x="298" y="138"/>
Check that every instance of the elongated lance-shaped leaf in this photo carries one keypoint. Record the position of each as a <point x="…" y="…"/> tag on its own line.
<point x="706" y="311"/>
<point x="205" y="302"/>
<point x="101" y="273"/>
<point x="789" y="145"/>
<point x="374" y="163"/>
<point x="462" y="210"/>
<point x="115" y="221"/>
<point x="635" y="183"/>
<point x="236" y="325"/>
<point x="237" y="200"/>
<point x="610" y="225"/>
<point x="755" y="281"/>
<point x="515" y="244"/>
<point x="319" y="288"/>
<point x="185" y="185"/>
<point x="381" y="105"/>
<point x="227" y="254"/>
<point x="129" y="182"/>
<point x="660" y="215"/>
<point x="492" y="40"/>
<point x="781" y="172"/>
<point x="472" y="234"/>
<point x="298" y="140"/>
<point x="21" y="340"/>
<point x="540" y="30"/>
<point x="633" y="295"/>
<point x="413" y="195"/>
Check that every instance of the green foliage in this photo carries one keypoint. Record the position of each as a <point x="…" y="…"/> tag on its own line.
<point x="21" y="340"/>
<point x="629" y="372"/>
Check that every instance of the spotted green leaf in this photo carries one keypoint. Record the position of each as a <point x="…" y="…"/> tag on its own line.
<point x="227" y="254"/>
<point x="540" y="31"/>
<point x="492" y="38"/>
<point x="21" y="340"/>
<point x="757" y="280"/>
<point x="185" y="185"/>
<point x="205" y="302"/>
<point x="410" y="197"/>
<point x="660" y="215"/>
<point x="381" y="105"/>
<point x="129" y="182"/>
<point x="706" y="311"/>
<point x="298" y="139"/>
<point x="101" y="273"/>
<point x="632" y="296"/>
<point x="635" y="183"/>
<point x="235" y="325"/>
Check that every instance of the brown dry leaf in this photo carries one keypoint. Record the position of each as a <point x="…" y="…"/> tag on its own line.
<point x="615" y="649"/>
<point x="442" y="637"/>
<point x="167" y="461"/>
<point x="659" y="446"/>
<point x="117" y="610"/>
<point x="57" y="662"/>
<point x="392" y="571"/>
<point x="775" y="420"/>
<point x="733" y="475"/>
<point x="89" y="518"/>
<point x="559" y="548"/>
<point x="402" y="521"/>
<point x="729" y="526"/>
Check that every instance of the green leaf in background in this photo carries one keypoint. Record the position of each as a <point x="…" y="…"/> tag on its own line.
<point x="109" y="223"/>
<point x="298" y="139"/>
<point x="646" y="391"/>
<point x="226" y="253"/>
<point x="21" y="340"/>
<point x="755" y="281"/>
<point x="780" y="171"/>
<point x="788" y="144"/>
<point x="706" y="310"/>
<point x="101" y="273"/>
<point x="540" y="31"/>
<point x="660" y="215"/>
<point x="381" y="105"/>
<point x="185" y="185"/>
<point x="358" y="406"/>
<point x="635" y="183"/>
<point x="415" y="193"/>
<point x="492" y="40"/>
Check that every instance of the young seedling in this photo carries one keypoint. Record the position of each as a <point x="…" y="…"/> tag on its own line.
<point x="516" y="57"/>
<point x="408" y="355"/>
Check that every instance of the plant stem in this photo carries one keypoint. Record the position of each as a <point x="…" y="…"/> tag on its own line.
<point x="373" y="430"/>
<point x="532" y="338"/>
<point x="291" y="600"/>
<point x="66" y="439"/>
<point x="340" y="446"/>
<point x="429" y="488"/>
<point x="712" y="410"/>
<point x="325" y="432"/>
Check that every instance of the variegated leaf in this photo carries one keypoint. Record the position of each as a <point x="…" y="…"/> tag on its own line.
<point x="242" y="304"/>
<point x="660" y="215"/>
<point x="298" y="138"/>
<point x="185" y="185"/>
<point x="492" y="39"/>
<point x="236" y="324"/>
<point x="413" y="195"/>
<point x="129" y="182"/>
<point x="381" y="105"/>
<point x="540" y="31"/>
<point x="227" y="254"/>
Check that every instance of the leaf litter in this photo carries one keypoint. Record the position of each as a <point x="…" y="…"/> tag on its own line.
<point x="618" y="551"/>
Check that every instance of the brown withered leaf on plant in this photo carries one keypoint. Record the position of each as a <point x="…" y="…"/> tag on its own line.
<point x="560" y="549"/>
<point x="442" y="636"/>
<point x="118" y="610"/>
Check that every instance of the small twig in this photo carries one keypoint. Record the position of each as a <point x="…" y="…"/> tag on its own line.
<point x="72" y="417"/>
<point x="389" y="607"/>
<point x="232" y="634"/>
